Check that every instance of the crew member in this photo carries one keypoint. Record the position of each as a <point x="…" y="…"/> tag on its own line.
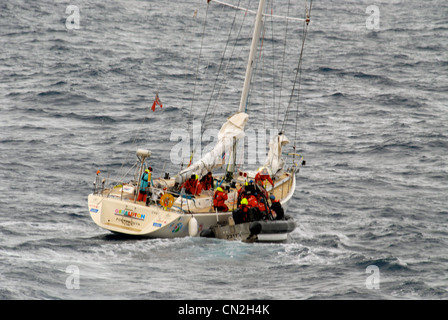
<point x="192" y="185"/>
<point x="276" y="208"/>
<point x="242" y="192"/>
<point x="262" y="176"/>
<point x="252" y="201"/>
<point x="244" y="205"/>
<point x="146" y="181"/>
<point x="241" y="214"/>
<point x="207" y="181"/>
<point x="262" y="206"/>
<point x="254" y="210"/>
<point x="219" y="200"/>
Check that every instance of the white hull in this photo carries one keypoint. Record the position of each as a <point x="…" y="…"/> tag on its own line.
<point x="147" y="221"/>
<point x="123" y="215"/>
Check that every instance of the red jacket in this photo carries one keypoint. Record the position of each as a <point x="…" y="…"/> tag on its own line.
<point x="261" y="206"/>
<point x="219" y="199"/>
<point x="192" y="186"/>
<point x="252" y="202"/>
<point x="263" y="177"/>
<point x="207" y="182"/>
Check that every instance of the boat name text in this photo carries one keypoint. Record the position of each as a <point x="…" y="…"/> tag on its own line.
<point x="130" y="214"/>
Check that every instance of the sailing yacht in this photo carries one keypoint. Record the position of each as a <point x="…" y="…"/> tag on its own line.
<point x="169" y="212"/>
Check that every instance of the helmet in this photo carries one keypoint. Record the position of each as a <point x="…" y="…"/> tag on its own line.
<point x="272" y="197"/>
<point x="244" y="201"/>
<point x="219" y="189"/>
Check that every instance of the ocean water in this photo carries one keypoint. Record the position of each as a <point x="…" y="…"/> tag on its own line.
<point x="370" y="204"/>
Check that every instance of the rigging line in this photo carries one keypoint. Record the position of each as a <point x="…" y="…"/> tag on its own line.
<point x="218" y="73"/>
<point x="234" y="7"/>
<point x="256" y="68"/>
<point x="198" y="143"/>
<point x="298" y="98"/>
<point x="229" y="63"/>
<point x="217" y="26"/>
<point x="299" y="67"/>
<point x="199" y="59"/>
<point x="305" y="30"/>
<point x="263" y="63"/>
<point x="277" y="116"/>
<point x="273" y="60"/>
<point x="254" y="12"/>
<point x="190" y="125"/>
<point x="134" y="139"/>
<point x="190" y="32"/>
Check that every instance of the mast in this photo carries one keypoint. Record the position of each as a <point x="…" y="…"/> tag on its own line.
<point x="247" y="80"/>
<point x="240" y="119"/>
<point x="253" y="50"/>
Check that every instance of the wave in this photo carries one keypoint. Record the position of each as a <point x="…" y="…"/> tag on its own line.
<point x="389" y="264"/>
<point x="49" y="93"/>
<point x="64" y="98"/>
<point x="393" y="146"/>
<point x="382" y="79"/>
<point x="88" y="118"/>
<point x="328" y="70"/>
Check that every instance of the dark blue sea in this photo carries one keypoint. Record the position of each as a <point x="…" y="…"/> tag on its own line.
<point x="77" y="81"/>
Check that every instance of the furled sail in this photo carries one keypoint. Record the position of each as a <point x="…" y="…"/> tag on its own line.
<point x="232" y="129"/>
<point x="274" y="160"/>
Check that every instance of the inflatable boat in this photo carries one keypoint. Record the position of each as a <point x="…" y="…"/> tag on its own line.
<point x="252" y="231"/>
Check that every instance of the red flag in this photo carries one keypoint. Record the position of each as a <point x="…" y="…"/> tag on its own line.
<point x="156" y="102"/>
